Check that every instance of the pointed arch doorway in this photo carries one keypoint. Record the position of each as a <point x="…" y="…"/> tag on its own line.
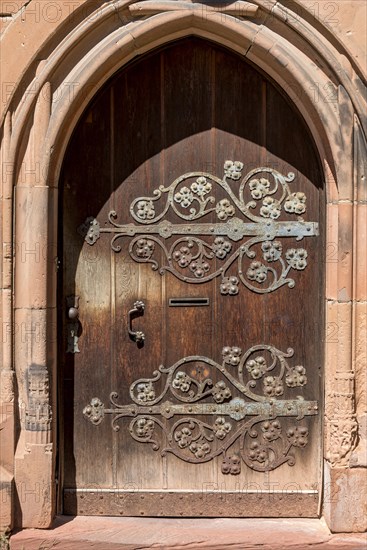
<point x="192" y="209"/>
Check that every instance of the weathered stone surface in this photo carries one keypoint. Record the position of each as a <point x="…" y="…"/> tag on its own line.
<point x="360" y="313"/>
<point x="360" y="251"/>
<point x="83" y="533"/>
<point x="6" y="490"/>
<point x="34" y="467"/>
<point x="345" y="252"/>
<point x="345" y="508"/>
<point x="340" y="422"/>
<point x="331" y="252"/>
<point x="359" y="455"/>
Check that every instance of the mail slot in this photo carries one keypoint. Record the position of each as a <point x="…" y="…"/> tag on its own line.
<point x="188" y="302"/>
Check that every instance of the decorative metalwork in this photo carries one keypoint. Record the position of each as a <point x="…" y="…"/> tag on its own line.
<point x="192" y="259"/>
<point x="138" y="336"/>
<point x="241" y="394"/>
<point x="73" y="324"/>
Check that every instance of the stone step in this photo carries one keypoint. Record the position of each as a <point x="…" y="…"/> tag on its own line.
<point x="115" y="533"/>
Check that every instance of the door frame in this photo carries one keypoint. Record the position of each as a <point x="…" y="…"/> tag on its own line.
<point x="37" y="131"/>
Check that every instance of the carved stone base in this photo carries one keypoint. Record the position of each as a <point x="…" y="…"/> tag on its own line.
<point x="345" y="499"/>
<point x="6" y="451"/>
<point x="6" y="499"/>
<point x="34" y="475"/>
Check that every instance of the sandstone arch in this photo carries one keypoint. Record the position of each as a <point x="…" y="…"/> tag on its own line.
<point x="71" y="59"/>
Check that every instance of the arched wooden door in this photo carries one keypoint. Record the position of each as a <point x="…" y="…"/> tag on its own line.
<point x="192" y="283"/>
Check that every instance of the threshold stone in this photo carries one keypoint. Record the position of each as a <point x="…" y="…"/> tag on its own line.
<point x="115" y="533"/>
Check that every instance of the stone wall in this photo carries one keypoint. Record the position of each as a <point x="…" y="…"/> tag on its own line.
<point x="55" y="56"/>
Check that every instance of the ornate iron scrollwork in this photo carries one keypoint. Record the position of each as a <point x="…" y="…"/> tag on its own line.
<point x="245" y="405"/>
<point x="192" y="259"/>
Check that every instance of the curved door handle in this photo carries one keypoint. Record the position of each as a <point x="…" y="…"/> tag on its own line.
<point x="73" y="325"/>
<point x="137" y="335"/>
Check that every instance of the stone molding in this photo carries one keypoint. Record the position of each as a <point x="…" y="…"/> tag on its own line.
<point x="77" y="58"/>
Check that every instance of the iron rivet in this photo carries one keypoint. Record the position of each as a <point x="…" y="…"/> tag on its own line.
<point x="167" y="409"/>
<point x="190" y="409"/>
<point x="212" y="229"/>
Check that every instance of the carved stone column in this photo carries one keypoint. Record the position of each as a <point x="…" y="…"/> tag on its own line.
<point x="345" y="493"/>
<point x="7" y="375"/>
<point x="35" y="319"/>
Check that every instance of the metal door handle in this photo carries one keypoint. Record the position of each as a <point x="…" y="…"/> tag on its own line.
<point x="73" y="324"/>
<point x="137" y="335"/>
<point x="73" y="313"/>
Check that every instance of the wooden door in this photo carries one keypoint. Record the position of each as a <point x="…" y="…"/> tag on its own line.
<point x="192" y="283"/>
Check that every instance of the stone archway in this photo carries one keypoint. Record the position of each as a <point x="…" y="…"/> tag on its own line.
<point x="37" y="127"/>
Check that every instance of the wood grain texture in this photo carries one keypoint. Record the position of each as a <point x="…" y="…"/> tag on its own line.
<point x="188" y="107"/>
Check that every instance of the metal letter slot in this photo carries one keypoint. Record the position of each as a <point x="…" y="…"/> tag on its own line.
<point x="188" y="302"/>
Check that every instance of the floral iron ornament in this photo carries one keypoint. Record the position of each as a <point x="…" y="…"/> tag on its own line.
<point x="251" y="423"/>
<point x="261" y="263"/>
